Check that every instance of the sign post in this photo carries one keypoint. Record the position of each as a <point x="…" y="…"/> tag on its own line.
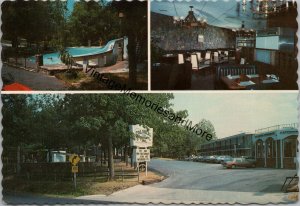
<point x="142" y="139"/>
<point x="74" y="159"/>
<point x="146" y="169"/>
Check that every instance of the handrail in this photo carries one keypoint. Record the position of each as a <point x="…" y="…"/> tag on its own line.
<point x="277" y="127"/>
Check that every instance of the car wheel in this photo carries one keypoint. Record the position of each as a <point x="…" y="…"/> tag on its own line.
<point x="233" y="166"/>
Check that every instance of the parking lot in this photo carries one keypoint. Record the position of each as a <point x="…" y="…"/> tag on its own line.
<point x="209" y="176"/>
<point x="201" y="183"/>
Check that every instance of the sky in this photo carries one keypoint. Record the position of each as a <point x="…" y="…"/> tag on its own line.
<point x="233" y="113"/>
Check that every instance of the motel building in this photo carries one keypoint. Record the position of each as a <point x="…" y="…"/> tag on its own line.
<point x="276" y="147"/>
<point x="272" y="147"/>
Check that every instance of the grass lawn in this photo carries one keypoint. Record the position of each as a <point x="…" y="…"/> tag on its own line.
<point x="85" y="185"/>
<point x="123" y="78"/>
<point x="69" y="78"/>
<point x="81" y="81"/>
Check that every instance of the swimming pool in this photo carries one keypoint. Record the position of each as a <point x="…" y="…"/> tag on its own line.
<point x="54" y="58"/>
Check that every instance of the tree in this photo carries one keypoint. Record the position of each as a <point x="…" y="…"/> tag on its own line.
<point x="134" y="26"/>
<point x="92" y="21"/>
<point x="34" y="21"/>
<point x="75" y="122"/>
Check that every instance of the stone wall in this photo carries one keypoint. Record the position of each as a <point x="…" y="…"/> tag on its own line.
<point x="168" y="36"/>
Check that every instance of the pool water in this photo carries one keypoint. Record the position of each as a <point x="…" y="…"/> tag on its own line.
<point x="54" y="58"/>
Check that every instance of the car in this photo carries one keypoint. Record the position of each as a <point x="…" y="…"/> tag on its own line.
<point x="239" y="162"/>
<point x="250" y="159"/>
<point x="211" y="159"/>
<point x="219" y="159"/>
<point x="198" y="159"/>
<point x="205" y="159"/>
<point x="224" y="158"/>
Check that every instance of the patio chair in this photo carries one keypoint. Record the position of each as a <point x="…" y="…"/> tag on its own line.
<point x="243" y="61"/>
<point x="216" y="57"/>
<point x="180" y="59"/>
<point x="199" y="57"/>
<point x="194" y="62"/>
<point x="207" y="59"/>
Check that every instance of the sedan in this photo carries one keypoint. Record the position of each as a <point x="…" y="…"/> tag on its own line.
<point x="239" y="162"/>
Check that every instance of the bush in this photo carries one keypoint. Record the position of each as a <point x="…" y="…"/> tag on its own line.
<point x="71" y="74"/>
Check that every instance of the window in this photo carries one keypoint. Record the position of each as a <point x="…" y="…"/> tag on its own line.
<point x="274" y="148"/>
<point x="269" y="148"/>
<point x="259" y="149"/>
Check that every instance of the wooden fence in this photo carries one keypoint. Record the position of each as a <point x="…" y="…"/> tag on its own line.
<point x="62" y="171"/>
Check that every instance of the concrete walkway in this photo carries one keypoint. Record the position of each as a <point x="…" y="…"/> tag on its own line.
<point x="148" y="194"/>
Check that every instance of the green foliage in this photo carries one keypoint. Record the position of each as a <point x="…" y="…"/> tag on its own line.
<point x="76" y="120"/>
<point x="90" y="21"/>
<point x="66" y="58"/>
<point x="35" y="21"/>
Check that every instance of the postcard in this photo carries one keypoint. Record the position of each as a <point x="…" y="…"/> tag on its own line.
<point x="149" y="102"/>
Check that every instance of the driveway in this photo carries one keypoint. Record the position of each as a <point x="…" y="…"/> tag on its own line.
<point x="36" y="81"/>
<point x="192" y="182"/>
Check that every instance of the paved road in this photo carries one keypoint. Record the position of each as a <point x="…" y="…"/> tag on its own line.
<point x="191" y="182"/>
<point x="205" y="176"/>
<point x="36" y="81"/>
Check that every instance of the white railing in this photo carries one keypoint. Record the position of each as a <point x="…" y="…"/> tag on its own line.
<point x="277" y="127"/>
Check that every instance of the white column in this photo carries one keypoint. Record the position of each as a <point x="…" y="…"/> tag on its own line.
<point x="255" y="150"/>
<point x="281" y="153"/>
<point x="265" y="152"/>
<point x="276" y="154"/>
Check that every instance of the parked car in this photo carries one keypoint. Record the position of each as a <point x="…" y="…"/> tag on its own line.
<point x="239" y="162"/>
<point x="205" y="158"/>
<point x="211" y="159"/>
<point x="219" y="159"/>
<point x="224" y="158"/>
<point x="250" y="159"/>
<point x="198" y="159"/>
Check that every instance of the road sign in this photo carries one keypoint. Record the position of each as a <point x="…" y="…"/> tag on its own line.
<point x="142" y="136"/>
<point x="74" y="159"/>
<point x="74" y="169"/>
<point x="142" y="155"/>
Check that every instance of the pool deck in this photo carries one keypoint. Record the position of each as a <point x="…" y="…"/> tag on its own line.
<point x="119" y="67"/>
<point x="56" y="68"/>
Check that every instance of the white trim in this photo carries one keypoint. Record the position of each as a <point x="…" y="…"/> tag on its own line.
<point x="265" y="152"/>
<point x="281" y="154"/>
<point x="276" y="154"/>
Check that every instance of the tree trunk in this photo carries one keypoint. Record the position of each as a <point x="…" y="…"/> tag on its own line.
<point x="126" y="155"/>
<point x="131" y="159"/>
<point x="18" y="160"/>
<point x="111" y="159"/>
<point x="132" y="59"/>
<point x="105" y="152"/>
